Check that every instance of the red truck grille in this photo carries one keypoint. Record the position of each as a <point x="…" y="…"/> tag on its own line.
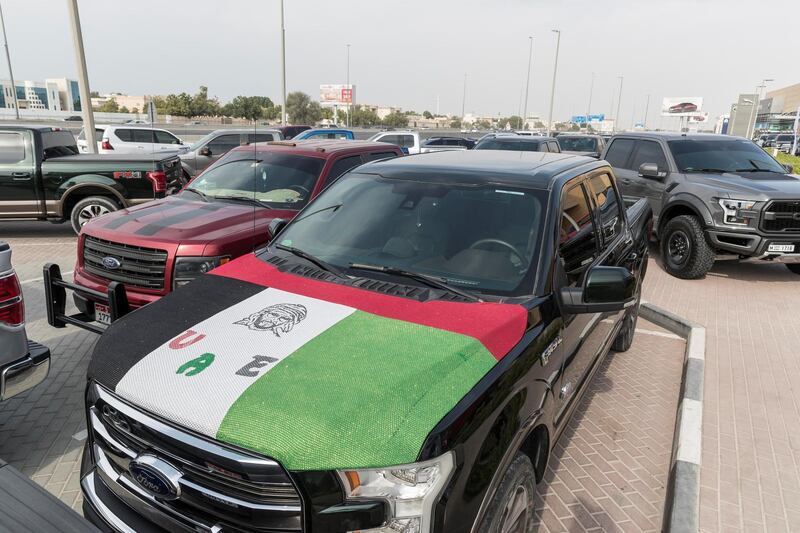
<point x="138" y="266"/>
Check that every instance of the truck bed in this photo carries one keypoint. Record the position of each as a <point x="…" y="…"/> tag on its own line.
<point x="640" y="217"/>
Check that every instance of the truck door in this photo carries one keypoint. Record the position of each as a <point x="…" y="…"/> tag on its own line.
<point x="18" y="194"/>
<point x="619" y="157"/>
<point x="652" y="189"/>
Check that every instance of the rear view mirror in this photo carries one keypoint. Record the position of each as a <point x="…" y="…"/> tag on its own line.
<point x="276" y="225"/>
<point x="650" y="170"/>
<point x="606" y="289"/>
<point x="789" y="169"/>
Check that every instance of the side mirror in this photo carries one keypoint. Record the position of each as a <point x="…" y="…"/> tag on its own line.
<point x="650" y="170"/>
<point x="606" y="289"/>
<point x="205" y="151"/>
<point x="276" y="225"/>
<point x="789" y="169"/>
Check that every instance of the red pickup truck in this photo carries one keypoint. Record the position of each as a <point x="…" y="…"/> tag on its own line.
<point x="222" y="214"/>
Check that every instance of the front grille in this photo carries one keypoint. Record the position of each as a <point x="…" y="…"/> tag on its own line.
<point x="220" y="486"/>
<point x="782" y="216"/>
<point x="139" y="266"/>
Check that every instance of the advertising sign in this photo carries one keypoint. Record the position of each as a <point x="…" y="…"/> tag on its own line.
<point x="681" y="106"/>
<point x="336" y="94"/>
<point x="698" y="118"/>
<point x="581" y="119"/>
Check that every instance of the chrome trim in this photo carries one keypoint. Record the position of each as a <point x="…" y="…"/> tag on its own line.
<point x="21" y="376"/>
<point x="775" y="257"/>
<point x="87" y="484"/>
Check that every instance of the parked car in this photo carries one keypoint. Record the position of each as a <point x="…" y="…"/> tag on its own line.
<point x="390" y="362"/>
<point x="326" y="133"/>
<point x="783" y="142"/>
<point x="437" y="144"/>
<point x="518" y="143"/>
<point x="683" y="107"/>
<point x="42" y="177"/>
<point x="582" y="144"/>
<point x="136" y="121"/>
<point x="73" y="118"/>
<point x="289" y="132"/>
<point x="130" y="140"/>
<point x="201" y="154"/>
<point x="766" y="139"/>
<point x="23" y="363"/>
<point x="712" y="195"/>
<point x="156" y="248"/>
<point x="408" y="141"/>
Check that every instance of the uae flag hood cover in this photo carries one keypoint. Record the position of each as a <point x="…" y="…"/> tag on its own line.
<point x="315" y="375"/>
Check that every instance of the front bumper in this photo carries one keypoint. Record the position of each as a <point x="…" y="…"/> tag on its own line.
<point x="23" y="374"/>
<point x="753" y="246"/>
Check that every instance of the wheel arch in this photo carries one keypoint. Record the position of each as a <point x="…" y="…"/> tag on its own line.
<point x="683" y="205"/>
<point x="77" y="193"/>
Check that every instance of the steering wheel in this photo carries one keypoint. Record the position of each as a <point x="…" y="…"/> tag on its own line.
<point x="300" y="190"/>
<point x="504" y="244"/>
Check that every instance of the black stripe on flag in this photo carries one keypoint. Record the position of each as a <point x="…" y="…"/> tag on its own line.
<point x="129" y="340"/>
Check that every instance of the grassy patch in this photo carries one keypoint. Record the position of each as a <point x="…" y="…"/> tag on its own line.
<point x="786" y="159"/>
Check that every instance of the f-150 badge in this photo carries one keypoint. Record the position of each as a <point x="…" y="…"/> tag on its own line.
<point x="550" y="349"/>
<point x="278" y="318"/>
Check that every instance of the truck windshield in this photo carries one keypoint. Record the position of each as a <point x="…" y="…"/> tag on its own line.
<point x="275" y="180"/>
<point x="481" y="238"/>
<point x="577" y="144"/>
<point x="729" y="155"/>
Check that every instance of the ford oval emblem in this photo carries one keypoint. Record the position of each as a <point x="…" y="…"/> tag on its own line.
<point x="111" y="263"/>
<point x="158" y="478"/>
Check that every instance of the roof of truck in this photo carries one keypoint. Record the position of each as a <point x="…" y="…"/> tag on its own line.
<point x="322" y="148"/>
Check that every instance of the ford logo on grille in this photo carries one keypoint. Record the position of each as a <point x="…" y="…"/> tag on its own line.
<point x="111" y="263"/>
<point x="158" y="478"/>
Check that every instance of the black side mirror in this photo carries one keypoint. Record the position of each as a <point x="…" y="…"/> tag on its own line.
<point x="205" y="151"/>
<point x="789" y="169"/>
<point x="276" y="225"/>
<point x="650" y="170"/>
<point x="605" y="289"/>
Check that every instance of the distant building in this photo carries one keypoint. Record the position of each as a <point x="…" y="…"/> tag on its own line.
<point x="69" y="97"/>
<point x="123" y="100"/>
<point x="58" y="94"/>
<point x="777" y="111"/>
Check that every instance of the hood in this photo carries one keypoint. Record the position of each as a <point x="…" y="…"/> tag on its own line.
<point x="176" y="219"/>
<point x="758" y="185"/>
<point x="316" y="375"/>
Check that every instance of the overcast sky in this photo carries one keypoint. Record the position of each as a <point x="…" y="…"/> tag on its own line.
<point x="410" y="52"/>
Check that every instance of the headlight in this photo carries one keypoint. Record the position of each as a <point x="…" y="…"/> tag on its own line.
<point x="411" y="491"/>
<point x="737" y="212"/>
<point x="188" y="268"/>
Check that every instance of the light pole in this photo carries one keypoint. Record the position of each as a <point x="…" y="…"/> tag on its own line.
<point x="619" y="102"/>
<point x="589" y="105"/>
<point x="527" y="85"/>
<point x="646" y="110"/>
<point x="754" y="111"/>
<point x="283" y="65"/>
<point x="464" y="101"/>
<point x="8" y="59"/>
<point x="83" y="77"/>
<point x="553" y="87"/>
<point x="348" y="86"/>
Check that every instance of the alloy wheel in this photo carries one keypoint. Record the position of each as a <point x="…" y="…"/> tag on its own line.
<point x="516" y="512"/>
<point x="91" y="211"/>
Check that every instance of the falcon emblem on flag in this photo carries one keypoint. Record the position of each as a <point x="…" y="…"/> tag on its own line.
<point x="278" y="318"/>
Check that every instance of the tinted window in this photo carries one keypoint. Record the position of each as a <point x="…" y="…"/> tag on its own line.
<point x="12" y="148"/>
<point x="274" y="180"/>
<point x="58" y="143"/>
<point x="223" y="144"/>
<point x="260" y="137"/>
<point x="143" y="136"/>
<point x="544" y="147"/>
<point x="578" y="144"/>
<point x="341" y="166"/>
<point x="165" y="137"/>
<point x="391" y="139"/>
<point x="577" y="243"/>
<point x="375" y="156"/>
<point x="649" y="152"/>
<point x="618" y="153"/>
<point x="98" y="133"/>
<point x="554" y="146"/>
<point x="608" y="206"/>
<point x="732" y="155"/>
<point x="125" y="135"/>
<point x="406" y="141"/>
<point x="436" y="142"/>
<point x="517" y="145"/>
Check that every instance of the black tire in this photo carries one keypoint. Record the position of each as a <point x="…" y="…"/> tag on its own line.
<point x="624" y="338"/>
<point x="684" y="248"/>
<point x="794" y="267"/>
<point x="90" y="208"/>
<point x="511" y="510"/>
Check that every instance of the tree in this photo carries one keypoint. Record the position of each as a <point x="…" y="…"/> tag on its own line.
<point x="123" y="109"/>
<point x="301" y="109"/>
<point x="395" y="120"/>
<point x="361" y="116"/>
<point x="94" y="94"/>
<point x="484" y="124"/>
<point x="135" y="110"/>
<point x="249" y="107"/>
<point x="327" y="113"/>
<point x="178" y="104"/>
<point x="109" y="106"/>
<point x="455" y="123"/>
<point x="538" y="124"/>
<point x="273" y="113"/>
<point x="427" y="114"/>
<point x="202" y="105"/>
<point x="574" y="127"/>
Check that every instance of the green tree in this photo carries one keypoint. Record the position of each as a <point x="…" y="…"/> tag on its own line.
<point x="123" y="109"/>
<point x="574" y="127"/>
<point x="327" y="113"/>
<point x="301" y="109"/>
<point x="178" y="104"/>
<point x="109" y="106"/>
<point x="538" y="124"/>
<point x="202" y="105"/>
<point x="484" y="124"/>
<point x="427" y="114"/>
<point x="396" y="120"/>
<point x="249" y="107"/>
<point x="273" y="113"/>
<point x="135" y="110"/>
<point x="455" y="123"/>
<point x="361" y="116"/>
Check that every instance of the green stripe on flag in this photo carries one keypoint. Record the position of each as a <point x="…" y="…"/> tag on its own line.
<point x="364" y="393"/>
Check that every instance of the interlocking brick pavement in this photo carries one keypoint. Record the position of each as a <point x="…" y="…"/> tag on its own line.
<point x="750" y="471"/>
<point x="608" y="471"/>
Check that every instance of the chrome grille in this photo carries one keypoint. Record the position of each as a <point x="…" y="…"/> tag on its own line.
<point x="140" y="267"/>
<point x="782" y="216"/>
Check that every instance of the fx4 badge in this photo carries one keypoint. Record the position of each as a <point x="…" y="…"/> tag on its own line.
<point x="278" y="318"/>
<point x="547" y="352"/>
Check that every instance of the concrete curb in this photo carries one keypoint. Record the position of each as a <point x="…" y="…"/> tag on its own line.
<point x="682" y="505"/>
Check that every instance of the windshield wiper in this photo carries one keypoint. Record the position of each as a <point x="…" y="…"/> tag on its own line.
<point x="201" y="194"/>
<point x="334" y="207"/>
<point x="311" y="259"/>
<point x="431" y="281"/>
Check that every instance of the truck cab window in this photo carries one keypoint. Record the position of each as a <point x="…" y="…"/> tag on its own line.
<point x="649" y="152"/>
<point x="577" y="242"/>
<point x="619" y="152"/>
<point x="608" y="206"/>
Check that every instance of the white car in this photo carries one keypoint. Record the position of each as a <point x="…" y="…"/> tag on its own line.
<point x="130" y="140"/>
<point x="408" y="141"/>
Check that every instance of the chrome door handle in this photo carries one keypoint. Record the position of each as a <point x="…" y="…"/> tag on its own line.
<point x="21" y="176"/>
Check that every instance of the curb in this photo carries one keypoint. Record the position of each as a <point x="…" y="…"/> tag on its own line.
<point x="682" y="505"/>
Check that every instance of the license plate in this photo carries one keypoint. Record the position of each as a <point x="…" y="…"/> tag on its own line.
<point x="102" y="313"/>
<point x="781" y="248"/>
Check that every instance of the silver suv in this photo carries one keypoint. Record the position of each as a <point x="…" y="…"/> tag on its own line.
<point x="23" y="363"/>
<point x="197" y="157"/>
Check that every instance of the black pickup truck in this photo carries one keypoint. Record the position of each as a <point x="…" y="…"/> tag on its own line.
<point x="42" y="177"/>
<point x="714" y="197"/>
<point x="402" y="356"/>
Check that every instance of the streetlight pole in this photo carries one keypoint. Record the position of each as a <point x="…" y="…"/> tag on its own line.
<point x="553" y="87"/>
<point x="619" y="103"/>
<point x="528" y="85"/>
<point x="754" y="111"/>
<point x="646" y="110"/>
<point x="589" y="105"/>
<point x="83" y="77"/>
<point x="348" y="86"/>
<point x="464" y="101"/>
<point x="8" y="59"/>
<point x="283" y="65"/>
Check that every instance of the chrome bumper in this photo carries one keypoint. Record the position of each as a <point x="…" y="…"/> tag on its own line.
<point x="26" y="373"/>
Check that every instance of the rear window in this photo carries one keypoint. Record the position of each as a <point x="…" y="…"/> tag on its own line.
<point x="517" y="145"/>
<point x="58" y="143"/>
<point x="98" y="134"/>
<point x="578" y="144"/>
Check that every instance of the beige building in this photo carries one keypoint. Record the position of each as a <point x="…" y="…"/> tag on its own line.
<point x="123" y="100"/>
<point x="785" y="100"/>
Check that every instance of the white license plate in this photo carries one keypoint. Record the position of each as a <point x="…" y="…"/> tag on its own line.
<point x="102" y="313"/>
<point x="781" y="248"/>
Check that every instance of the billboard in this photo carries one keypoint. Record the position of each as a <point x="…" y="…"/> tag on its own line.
<point x="581" y="119"/>
<point x="336" y="94"/>
<point x="681" y="106"/>
<point x="698" y="118"/>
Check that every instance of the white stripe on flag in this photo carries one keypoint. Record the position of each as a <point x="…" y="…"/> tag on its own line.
<point x="201" y="401"/>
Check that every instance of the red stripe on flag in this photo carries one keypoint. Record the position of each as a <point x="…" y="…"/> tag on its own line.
<point x="497" y="326"/>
